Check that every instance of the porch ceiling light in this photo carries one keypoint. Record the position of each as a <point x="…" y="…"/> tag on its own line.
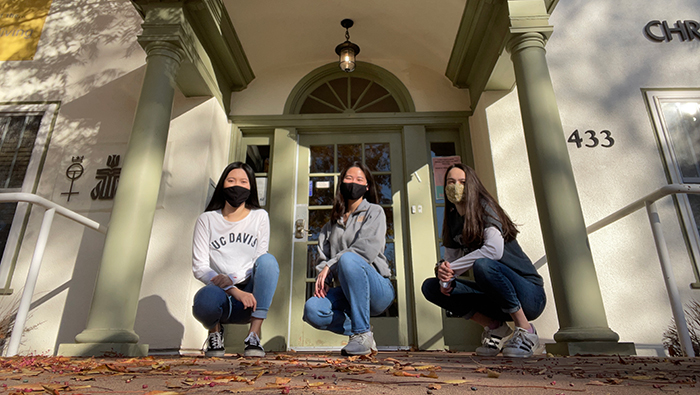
<point x="347" y="50"/>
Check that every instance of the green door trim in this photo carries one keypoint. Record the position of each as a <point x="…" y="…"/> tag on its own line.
<point x="341" y="122"/>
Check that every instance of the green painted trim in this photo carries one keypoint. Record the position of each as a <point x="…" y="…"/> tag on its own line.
<point x="215" y="63"/>
<point x="480" y="40"/>
<point x="331" y="71"/>
<point x="6" y="290"/>
<point x="477" y="61"/>
<point x="346" y="121"/>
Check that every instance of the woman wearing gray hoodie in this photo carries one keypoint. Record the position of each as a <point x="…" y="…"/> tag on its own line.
<point x="351" y="251"/>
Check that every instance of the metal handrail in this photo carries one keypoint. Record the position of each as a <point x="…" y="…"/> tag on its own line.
<point x="33" y="274"/>
<point x="649" y="201"/>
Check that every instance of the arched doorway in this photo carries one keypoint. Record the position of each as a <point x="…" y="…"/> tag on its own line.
<point x="323" y="153"/>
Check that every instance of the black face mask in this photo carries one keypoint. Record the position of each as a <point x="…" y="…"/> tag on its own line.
<point x="352" y="191"/>
<point x="236" y="195"/>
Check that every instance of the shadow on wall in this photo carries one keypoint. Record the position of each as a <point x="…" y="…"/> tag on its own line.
<point x="69" y="46"/>
<point x="152" y="311"/>
<point x="81" y="285"/>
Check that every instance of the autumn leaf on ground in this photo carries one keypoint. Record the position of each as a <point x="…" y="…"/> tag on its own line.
<point x="282" y="380"/>
<point x="639" y="377"/>
<point x="406" y="374"/>
<point x="492" y="374"/>
<point x="19" y="376"/>
<point x="595" y="382"/>
<point x="427" y="367"/>
<point x="482" y="369"/>
<point x="455" y="382"/>
<point x="431" y="375"/>
<point x="163" y="393"/>
<point x="434" y="386"/>
<point x="50" y="390"/>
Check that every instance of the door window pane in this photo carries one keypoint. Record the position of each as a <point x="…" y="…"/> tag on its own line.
<point x="322" y="191"/>
<point x="258" y="157"/>
<point x="389" y="213"/>
<point x="321" y="159"/>
<point x="384" y="188"/>
<point x="347" y="154"/>
<point x="377" y="157"/>
<point x="311" y="258"/>
<point x="317" y="218"/>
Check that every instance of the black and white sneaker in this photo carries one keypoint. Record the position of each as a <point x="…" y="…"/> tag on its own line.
<point x="215" y="344"/>
<point x="252" y="346"/>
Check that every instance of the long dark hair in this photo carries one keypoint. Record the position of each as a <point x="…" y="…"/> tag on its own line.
<point x="218" y="201"/>
<point x="339" y="202"/>
<point x="475" y="200"/>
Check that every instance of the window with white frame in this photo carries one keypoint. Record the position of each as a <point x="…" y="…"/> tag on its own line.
<point x="676" y="115"/>
<point x="25" y="130"/>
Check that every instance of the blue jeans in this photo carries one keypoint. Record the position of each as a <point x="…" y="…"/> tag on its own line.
<point x="345" y="310"/>
<point x="212" y="304"/>
<point x="496" y="292"/>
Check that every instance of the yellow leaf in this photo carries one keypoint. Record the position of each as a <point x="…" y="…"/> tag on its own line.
<point x="492" y="374"/>
<point x="282" y="380"/>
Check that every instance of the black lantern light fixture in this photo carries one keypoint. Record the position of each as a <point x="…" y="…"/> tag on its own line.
<point x="347" y="50"/>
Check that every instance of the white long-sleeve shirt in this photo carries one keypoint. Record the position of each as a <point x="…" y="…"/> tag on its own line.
<point x="223" y="247"/>
<point x="492" y="249"/>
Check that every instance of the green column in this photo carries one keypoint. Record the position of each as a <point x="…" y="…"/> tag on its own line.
<point x="583" y="324"/>
<point x="113" y="310"/>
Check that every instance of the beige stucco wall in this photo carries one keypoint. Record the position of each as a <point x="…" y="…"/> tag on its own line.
<point x="429" y="89"/>
<point x="599" y="61"/>
<point x="97" y="79"/>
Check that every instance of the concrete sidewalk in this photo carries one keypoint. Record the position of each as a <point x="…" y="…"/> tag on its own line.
<point x="386" y="373"/>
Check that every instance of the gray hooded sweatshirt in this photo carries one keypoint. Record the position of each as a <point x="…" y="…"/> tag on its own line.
<point x="364" y="234"/>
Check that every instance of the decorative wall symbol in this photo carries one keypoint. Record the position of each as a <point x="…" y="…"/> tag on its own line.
<point x="73" y="172"/>
<point x="108" y="180"/>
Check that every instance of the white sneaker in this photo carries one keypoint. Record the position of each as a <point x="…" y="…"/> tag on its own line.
<point x="360" y="344"/>
<point x="492" y="340"/>
<point x="523" y="343"/>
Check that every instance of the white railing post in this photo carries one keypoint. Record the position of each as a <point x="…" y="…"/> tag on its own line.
<point x="26" y="301"/>
<point x="671" y="288"/>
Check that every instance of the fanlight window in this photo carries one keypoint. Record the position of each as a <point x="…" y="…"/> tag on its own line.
<point x="349" y="95"/>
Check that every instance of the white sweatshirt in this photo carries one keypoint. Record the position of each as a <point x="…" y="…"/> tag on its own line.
<point x="223" y="247"/>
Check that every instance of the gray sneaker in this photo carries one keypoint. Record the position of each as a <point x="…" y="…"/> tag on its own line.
<point x="360" y="344"/>
<point x="493" y="340"/>
<point x="523" y="344"/>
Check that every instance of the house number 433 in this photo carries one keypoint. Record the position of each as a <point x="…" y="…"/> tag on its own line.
<point x="591" y="139"/>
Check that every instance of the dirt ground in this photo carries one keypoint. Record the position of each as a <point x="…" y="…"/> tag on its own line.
<point x="385" y="373"/>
